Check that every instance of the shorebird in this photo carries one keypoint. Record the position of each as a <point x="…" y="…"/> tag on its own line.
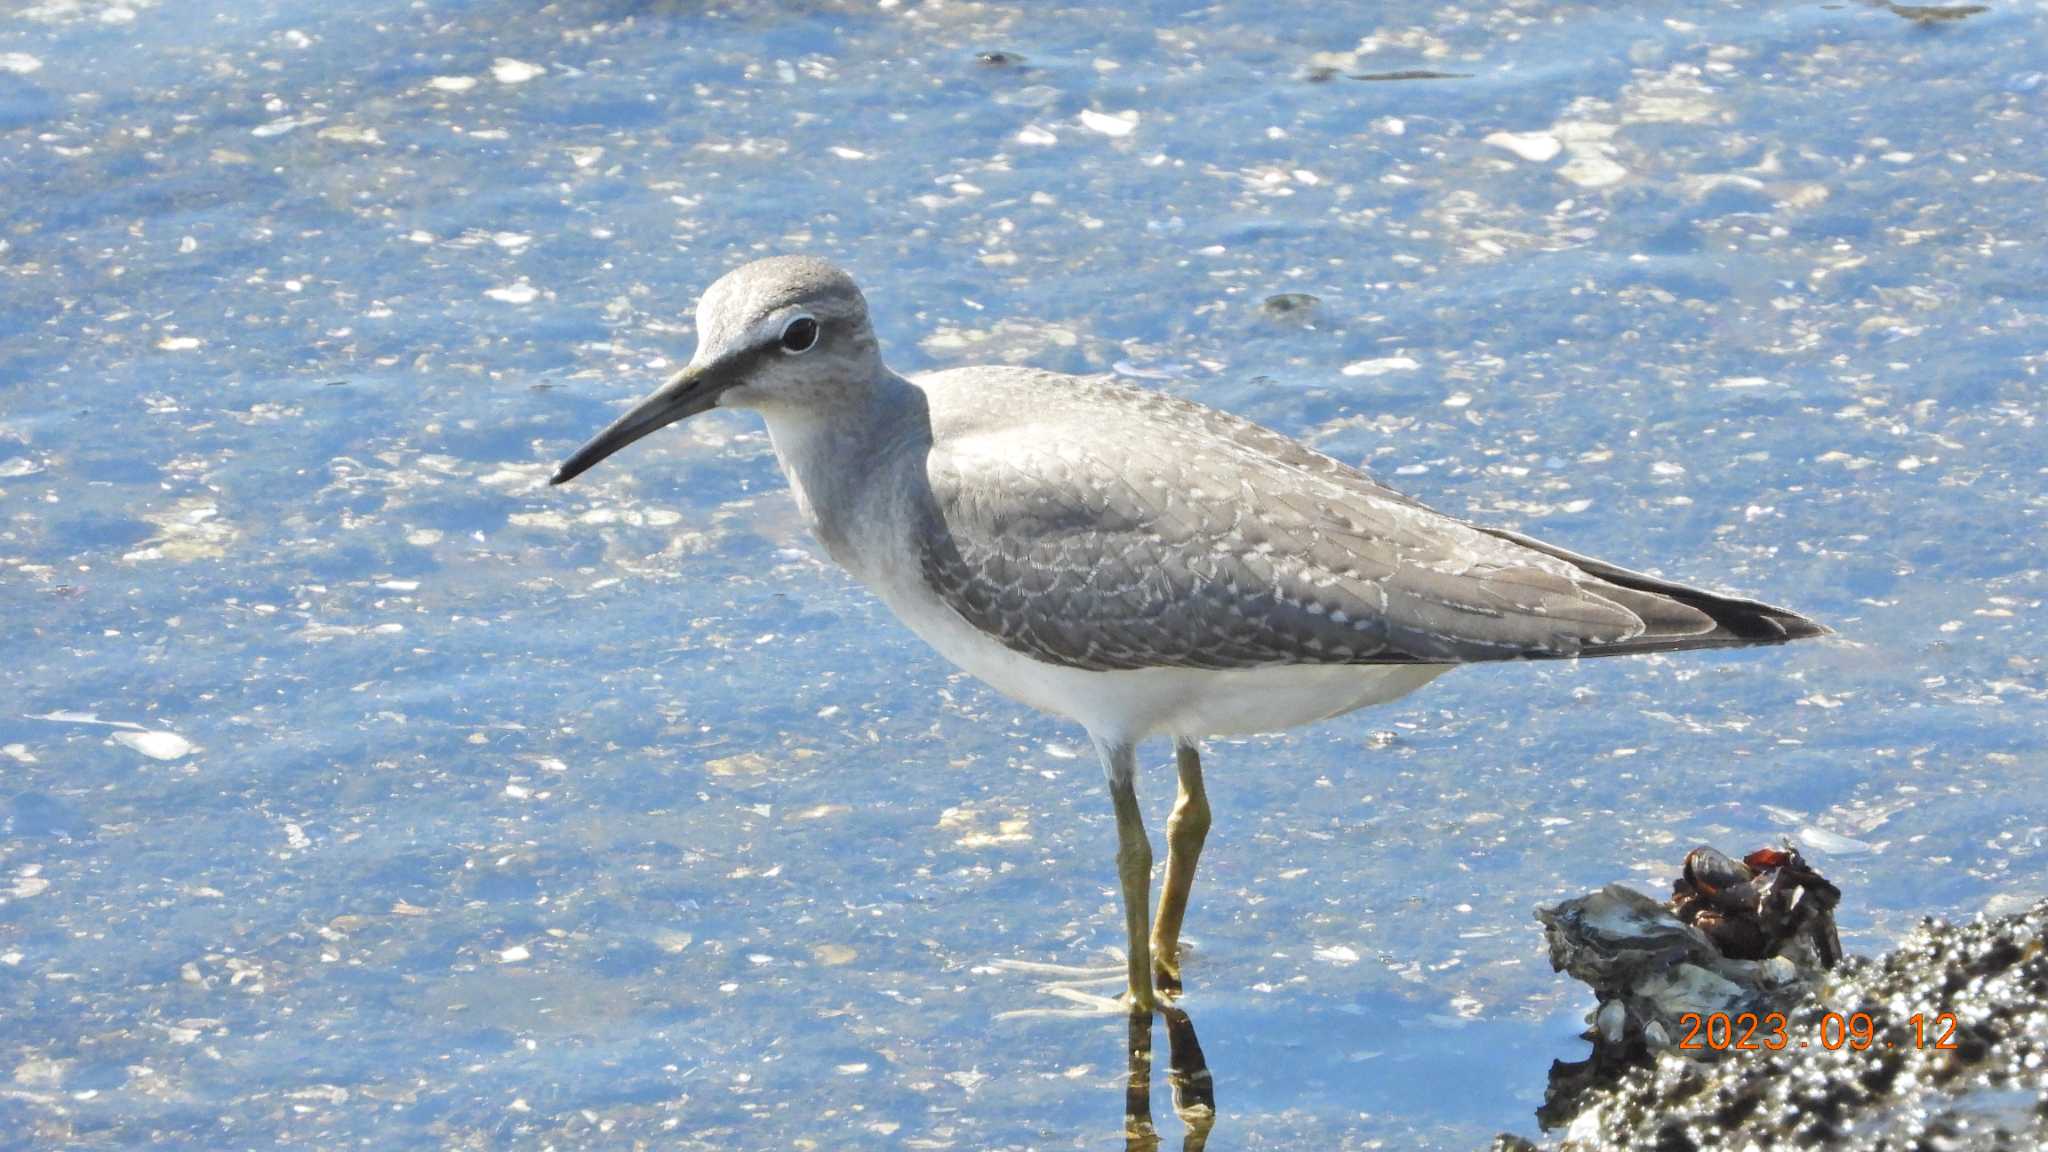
<point x="1137" y="562"/>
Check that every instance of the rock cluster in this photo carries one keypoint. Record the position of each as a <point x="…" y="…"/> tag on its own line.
<point x="1738" y="941"/>
<point x="1852" y="1071"/>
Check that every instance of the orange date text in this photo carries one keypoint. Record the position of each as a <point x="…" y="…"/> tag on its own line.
<point x="1772" y="1032"/>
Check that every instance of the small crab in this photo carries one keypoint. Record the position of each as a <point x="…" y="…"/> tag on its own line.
<point x="1753" y="908"/>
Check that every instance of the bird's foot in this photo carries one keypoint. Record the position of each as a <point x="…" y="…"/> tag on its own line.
<point x="1086" y="989"/>
<point x="1068" y="973"/>
<point x="1140" y="1003"/>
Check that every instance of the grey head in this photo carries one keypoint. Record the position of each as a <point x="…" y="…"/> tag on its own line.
<point x="786" y="332"/>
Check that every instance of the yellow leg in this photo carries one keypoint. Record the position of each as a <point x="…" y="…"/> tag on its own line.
<point x="1185" y="831"/>
<point x="1133" y="867"/>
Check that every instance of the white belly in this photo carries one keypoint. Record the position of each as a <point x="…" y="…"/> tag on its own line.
<point x="1185" y="702"/>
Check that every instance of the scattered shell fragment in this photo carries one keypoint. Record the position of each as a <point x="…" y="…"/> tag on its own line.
<point x="506" y="70"/>
<point x="1611" y="1019"/>
<point x="155" y="745"/>
<point x="1381" y="366"/>
<point x="1535" y="147"/>
<point x="1114" y="124"/>
<point x="743" y="764"/>
<point x="1832" y="843"/>
<point x="520" y="293"/>
<point x="27" y="885"/>
<point x="283" y="125"/>
<point x="549" y="519"/>
<point x="966" y="820"/>
<point x="1589" y="170"/>
<point x="350" y="134"/>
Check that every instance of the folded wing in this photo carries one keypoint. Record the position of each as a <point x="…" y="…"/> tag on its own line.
<point x="1209" y="542"/>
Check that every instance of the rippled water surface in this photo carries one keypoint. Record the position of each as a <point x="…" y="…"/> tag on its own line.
<point x="357" y="789"/>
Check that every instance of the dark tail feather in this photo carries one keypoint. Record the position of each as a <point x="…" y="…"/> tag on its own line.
<point x="1737" y="622"/>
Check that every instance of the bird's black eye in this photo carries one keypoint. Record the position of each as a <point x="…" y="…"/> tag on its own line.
<point x="800" y="336"/>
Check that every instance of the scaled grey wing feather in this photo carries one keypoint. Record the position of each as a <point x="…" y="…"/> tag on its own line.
<point x="1738" y="620"/>
<point x="1210" y="542"/>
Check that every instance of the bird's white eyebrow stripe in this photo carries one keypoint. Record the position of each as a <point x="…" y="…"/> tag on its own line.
<point x="768" y="330"/>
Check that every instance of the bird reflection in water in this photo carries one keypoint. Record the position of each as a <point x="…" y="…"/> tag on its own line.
<point x="1092" y="992"/>
<point x="1194" y="1094"/>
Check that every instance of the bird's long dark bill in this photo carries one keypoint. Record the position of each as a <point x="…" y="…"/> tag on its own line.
<point x="695" y="389"/>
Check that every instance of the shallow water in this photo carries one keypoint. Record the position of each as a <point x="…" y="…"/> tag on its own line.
<point x="356" y="788"/>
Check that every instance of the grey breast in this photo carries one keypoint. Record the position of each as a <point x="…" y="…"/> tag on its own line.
<point x="1096" y="525"/>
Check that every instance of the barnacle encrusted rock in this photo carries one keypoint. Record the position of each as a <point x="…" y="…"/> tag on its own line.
<point x="1987" y="1090"/>
<point x="1738" y="936"/>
